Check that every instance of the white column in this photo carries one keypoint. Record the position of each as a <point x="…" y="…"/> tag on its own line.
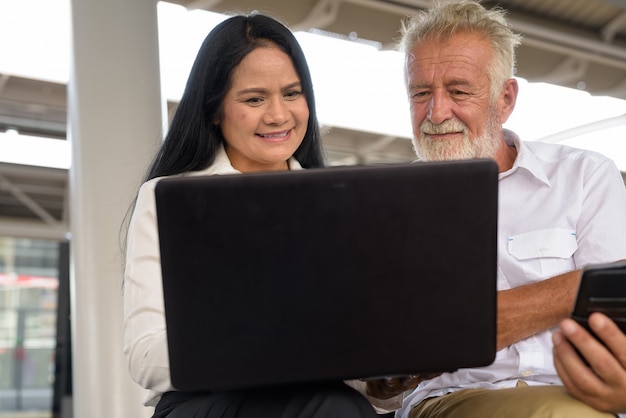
<point x="115" y="125"/>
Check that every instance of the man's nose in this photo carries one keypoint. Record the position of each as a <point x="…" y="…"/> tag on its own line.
<point x="439" y="108"/>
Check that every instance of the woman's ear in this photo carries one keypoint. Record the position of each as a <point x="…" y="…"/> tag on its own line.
<point x="217" y="119"/>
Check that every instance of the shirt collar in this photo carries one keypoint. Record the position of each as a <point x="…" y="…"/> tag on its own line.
<point x="525" y="160"/>
<point x="222" y="165"/>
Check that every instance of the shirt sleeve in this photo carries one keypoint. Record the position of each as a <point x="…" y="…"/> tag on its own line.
<point x="145" y="341"/>
<point x="381" y="406"/>
<point x="602" y="223"/>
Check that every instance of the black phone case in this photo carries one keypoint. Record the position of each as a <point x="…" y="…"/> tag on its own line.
<point x="602" y="289"/>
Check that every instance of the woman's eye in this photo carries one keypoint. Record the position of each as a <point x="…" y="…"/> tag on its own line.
<point x="293" y="94"/>
<point x="254" y="100"/>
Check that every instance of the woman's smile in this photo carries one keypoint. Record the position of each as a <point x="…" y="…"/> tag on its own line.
<point x="276" y="136"/>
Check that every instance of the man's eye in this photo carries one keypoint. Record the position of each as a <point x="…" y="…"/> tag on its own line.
<point x="420" y="94"/>
<point x="458" y="93"/>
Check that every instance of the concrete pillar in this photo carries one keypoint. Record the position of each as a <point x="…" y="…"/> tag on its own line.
<point x="115" y="124"/>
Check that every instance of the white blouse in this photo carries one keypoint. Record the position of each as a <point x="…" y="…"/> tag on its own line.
<point x="145" y="341"/>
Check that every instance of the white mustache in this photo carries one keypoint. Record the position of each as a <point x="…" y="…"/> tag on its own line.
<point x="446" y="127"/>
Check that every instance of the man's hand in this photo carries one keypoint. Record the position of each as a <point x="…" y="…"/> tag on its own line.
<point x="392" y="386"/>
<point x="602" y="383"/>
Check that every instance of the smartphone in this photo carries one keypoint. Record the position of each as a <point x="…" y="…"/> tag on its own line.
<point x="602" y="289"/>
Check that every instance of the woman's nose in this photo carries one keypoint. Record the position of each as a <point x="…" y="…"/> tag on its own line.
<point x="276" y="113"/>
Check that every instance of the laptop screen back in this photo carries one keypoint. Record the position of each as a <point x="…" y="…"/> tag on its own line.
<point x="332" y="273"/>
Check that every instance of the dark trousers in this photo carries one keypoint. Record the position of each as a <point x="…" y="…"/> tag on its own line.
<point x="328" y="400"/>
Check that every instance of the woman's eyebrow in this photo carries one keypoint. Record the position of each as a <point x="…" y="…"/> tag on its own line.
<point x="292" y="85"/>
<point x="264" y="90"/>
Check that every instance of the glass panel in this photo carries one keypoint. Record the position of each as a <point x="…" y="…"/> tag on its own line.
<point x="28" y="308"/>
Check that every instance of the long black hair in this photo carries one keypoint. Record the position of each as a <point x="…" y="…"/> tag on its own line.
<point x="193" y="139"/>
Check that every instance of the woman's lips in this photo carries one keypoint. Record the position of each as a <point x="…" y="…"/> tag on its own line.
<point x="276" y="136"/>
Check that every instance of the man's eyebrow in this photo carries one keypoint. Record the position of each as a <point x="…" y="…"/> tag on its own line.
<point x="459" y="82"/>
<point x="415" y="86"/>
<point x="453" y="82"/>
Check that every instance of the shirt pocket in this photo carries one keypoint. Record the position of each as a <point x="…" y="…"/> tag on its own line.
<point x="544" y="252"/>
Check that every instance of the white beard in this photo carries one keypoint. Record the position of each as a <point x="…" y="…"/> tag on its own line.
<point x="484" y="146"/>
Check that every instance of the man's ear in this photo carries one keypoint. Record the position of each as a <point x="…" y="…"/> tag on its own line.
<point x="508" y="97"/>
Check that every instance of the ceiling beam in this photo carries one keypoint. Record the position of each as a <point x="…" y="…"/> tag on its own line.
<point x="570" y="41"/>
<point x="618" y="90"/>
<point x="27" y="201"/>
<point x="571" y="51"/>
<point x="535" y="34"/>
<point x="570" y="70"/>
<point x="33" y="230"/>
<point x="585" y="129"/>
<point x="613" y="27"/>
<point x="55" y="129"/>
<point x="202" y="4"/>
<point x="4" y="79"/>
<point x="321" y="15"/>
<point x="618" y="3"/>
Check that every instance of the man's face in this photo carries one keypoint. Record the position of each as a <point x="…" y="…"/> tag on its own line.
<point x="452" y="113"/>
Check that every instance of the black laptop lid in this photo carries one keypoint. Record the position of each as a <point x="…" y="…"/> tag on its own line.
<point x="331" y="273"/>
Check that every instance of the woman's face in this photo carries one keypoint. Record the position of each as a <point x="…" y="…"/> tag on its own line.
<point x="265" y="112"/>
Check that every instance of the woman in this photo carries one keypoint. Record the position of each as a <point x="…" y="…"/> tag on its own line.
<point x="248" y="107"/>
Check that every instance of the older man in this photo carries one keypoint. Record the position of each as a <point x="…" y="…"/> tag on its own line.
<point x="560" y="209"/>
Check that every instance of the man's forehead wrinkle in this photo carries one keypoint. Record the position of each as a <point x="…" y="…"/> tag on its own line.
<point x="440" y="58"/>
<point x="451" y="70"/>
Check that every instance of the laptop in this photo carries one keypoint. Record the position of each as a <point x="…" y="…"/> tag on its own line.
<point x="326" y="274"/>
